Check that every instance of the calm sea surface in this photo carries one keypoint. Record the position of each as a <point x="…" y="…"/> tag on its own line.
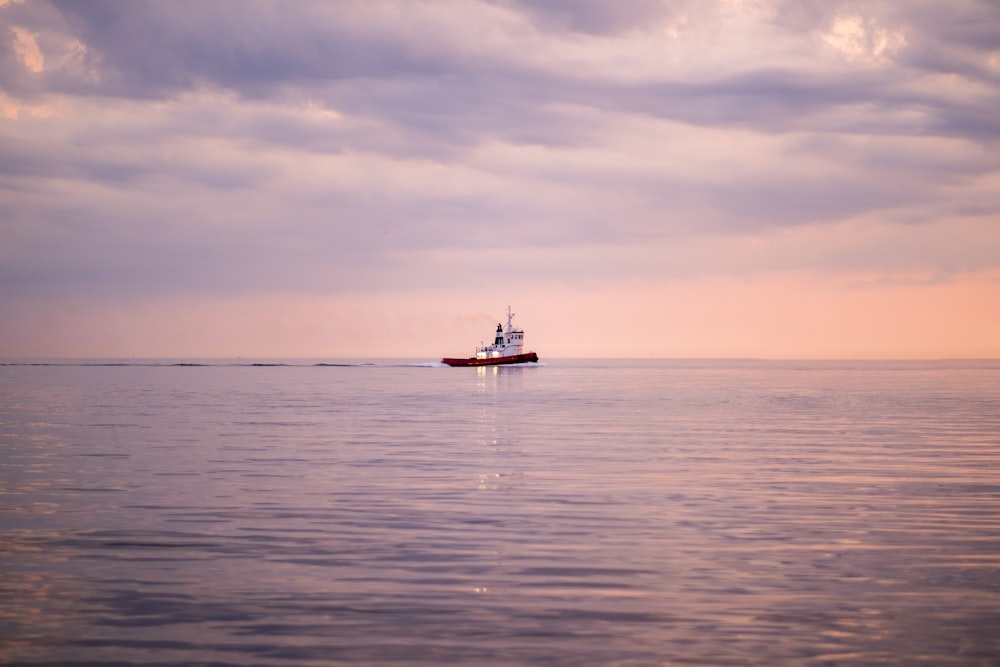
<point x="571" y="513"/>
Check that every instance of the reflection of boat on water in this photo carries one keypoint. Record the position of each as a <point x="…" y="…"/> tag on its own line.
<point x="506" y="349"/>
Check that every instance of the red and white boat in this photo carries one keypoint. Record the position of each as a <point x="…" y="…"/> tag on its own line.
<point x="506" y="349"/>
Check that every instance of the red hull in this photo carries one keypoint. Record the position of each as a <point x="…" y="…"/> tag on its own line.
<point x="494" y="361"/>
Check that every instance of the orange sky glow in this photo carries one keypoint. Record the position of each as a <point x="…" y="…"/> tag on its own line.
<point x="776" y="316"/>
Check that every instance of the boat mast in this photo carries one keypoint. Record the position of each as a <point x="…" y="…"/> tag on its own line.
<point x="510" y="320"/>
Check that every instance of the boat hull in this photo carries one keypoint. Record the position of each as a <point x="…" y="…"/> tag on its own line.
<point x="492" y="361"/>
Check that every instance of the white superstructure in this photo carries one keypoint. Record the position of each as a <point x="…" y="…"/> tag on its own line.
<point x="508" y="341"/>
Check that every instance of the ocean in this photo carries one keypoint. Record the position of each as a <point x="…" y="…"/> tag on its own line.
<point x="574" y="512"/>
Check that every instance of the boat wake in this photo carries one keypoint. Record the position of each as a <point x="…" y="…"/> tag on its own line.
<point x="221" y="363"/>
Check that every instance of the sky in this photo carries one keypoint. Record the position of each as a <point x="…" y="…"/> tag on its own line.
<point x="637" y="178"/>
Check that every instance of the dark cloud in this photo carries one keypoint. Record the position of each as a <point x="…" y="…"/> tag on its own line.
<point x="596" y="17"/>
<point x="229" y="145"/>
<point x="252" y="47"/>
<point x="413" y="80"/>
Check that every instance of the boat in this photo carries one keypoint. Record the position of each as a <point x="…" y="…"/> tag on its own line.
<point x="506" y="349"/>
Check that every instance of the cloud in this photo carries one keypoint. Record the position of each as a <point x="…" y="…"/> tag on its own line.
<point x="157" y="150"/>
<point x="594" y="16"/>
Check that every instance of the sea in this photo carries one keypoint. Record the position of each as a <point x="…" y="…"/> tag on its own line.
<point x="566" y="513"/>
